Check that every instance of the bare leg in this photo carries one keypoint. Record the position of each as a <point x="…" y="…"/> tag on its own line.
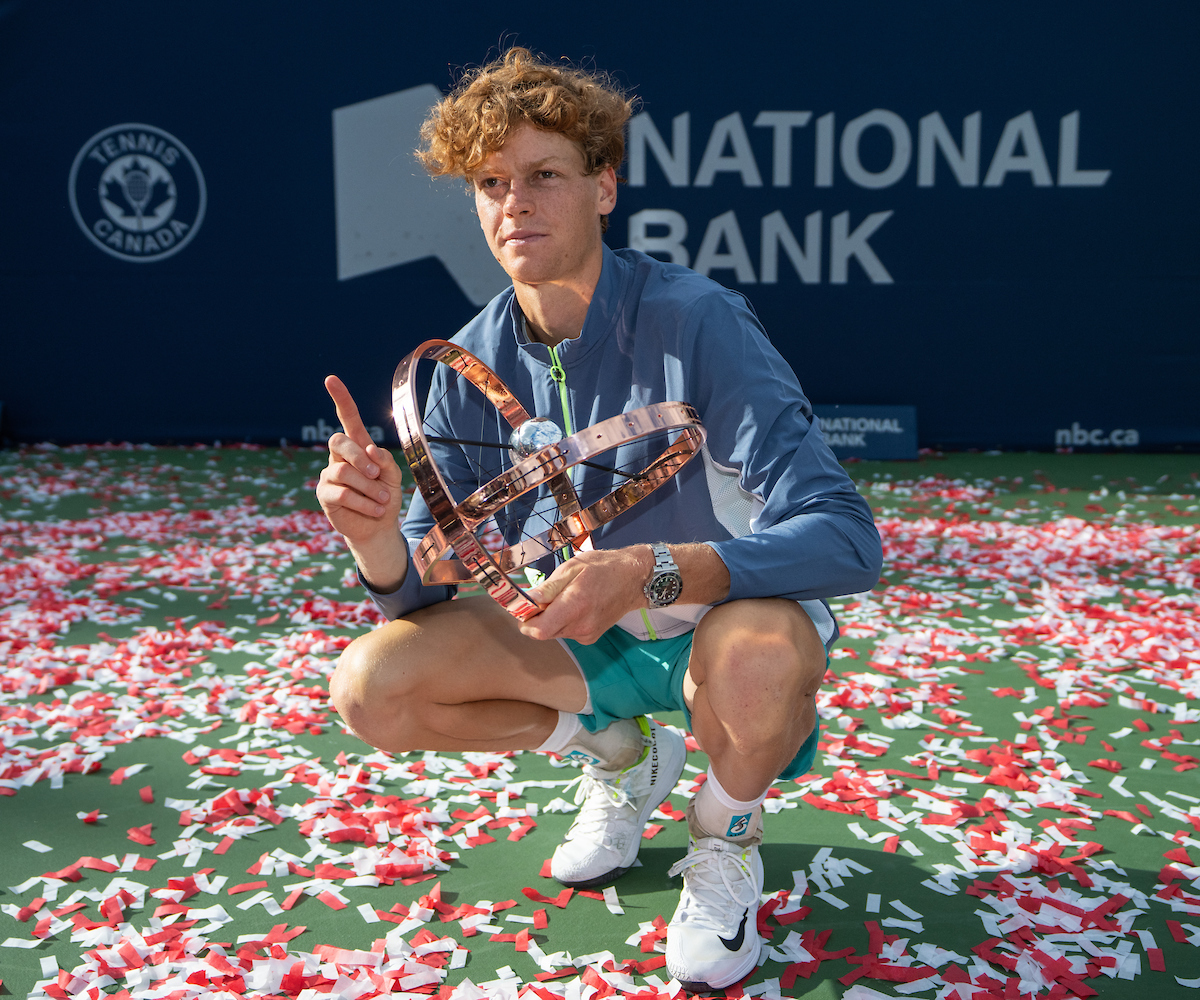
<point x="461" y="676"/>
<point x="455" y="676"/>
<point x="755" y="668"/>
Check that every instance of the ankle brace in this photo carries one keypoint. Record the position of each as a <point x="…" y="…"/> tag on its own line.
<point x="609" y="751"/>
<point x="713" y="812"/>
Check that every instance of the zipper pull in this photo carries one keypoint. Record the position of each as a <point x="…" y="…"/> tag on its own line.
<point x="558" y="375"/>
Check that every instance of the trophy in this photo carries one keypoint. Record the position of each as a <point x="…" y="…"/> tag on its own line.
<point x="540" y="454"/>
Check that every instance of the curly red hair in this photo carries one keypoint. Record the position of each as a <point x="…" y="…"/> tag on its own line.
<point x="518" y="88"/>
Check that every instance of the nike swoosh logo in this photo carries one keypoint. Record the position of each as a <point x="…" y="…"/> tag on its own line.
<point x="735" y="943"/>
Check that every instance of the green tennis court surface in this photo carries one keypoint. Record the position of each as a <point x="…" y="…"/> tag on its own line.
<point x="1006" y="803"/>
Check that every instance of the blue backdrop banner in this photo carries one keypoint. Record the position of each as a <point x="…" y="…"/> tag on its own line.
<point x="983" y="210"/>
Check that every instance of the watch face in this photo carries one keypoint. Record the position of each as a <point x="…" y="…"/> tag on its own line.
<point x="664" y="589"/>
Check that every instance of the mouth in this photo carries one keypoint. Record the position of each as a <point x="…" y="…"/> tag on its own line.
<point x="521" y="237"/>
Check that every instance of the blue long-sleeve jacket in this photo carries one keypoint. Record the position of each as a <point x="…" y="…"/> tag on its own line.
<point x="767" y="493"/>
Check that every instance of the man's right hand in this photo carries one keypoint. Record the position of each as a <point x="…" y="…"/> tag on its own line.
<point x="360" y="492"/>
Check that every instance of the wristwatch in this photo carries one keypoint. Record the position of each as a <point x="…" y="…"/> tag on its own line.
<point x="665" y="583"/>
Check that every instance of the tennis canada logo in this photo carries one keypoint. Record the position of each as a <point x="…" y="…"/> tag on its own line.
<point x="137" y="192"/>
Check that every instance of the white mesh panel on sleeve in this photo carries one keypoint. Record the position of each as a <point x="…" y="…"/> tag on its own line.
<point x="734" y="507"/>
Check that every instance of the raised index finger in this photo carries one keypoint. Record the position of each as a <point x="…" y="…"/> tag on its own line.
<point x="347" y="412"/>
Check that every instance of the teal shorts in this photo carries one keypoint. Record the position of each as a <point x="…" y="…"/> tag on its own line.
<point x="627" y="677"/>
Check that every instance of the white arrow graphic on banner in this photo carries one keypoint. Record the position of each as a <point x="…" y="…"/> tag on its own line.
<point x="389" y="211"/>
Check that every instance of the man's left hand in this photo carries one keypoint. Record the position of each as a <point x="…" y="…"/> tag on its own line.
<point x="589" y="593"/>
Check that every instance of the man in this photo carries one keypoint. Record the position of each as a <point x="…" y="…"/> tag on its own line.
<point x="706" y="597"/>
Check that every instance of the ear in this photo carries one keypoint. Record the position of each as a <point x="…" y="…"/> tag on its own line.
<point x="606" y="190"/>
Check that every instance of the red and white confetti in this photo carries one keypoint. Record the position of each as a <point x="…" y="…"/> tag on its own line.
<point x="1096" y="614"/>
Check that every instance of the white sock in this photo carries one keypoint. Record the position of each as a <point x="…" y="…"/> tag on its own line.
<point x="719" y="814"/>
<point x="564" y="731"/>
<point x="609" y="751"/>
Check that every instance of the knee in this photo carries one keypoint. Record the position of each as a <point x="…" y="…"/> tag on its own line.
<point x="765" y="706"/>
<point x="349" y="677"/>
<point x="368" y="691"/>
<point x="350" y="685"/>
<point x="760" y="665"/>
<point x="769" y="648"/>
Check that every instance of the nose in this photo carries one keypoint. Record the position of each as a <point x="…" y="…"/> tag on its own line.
<point x="518" y="199"/>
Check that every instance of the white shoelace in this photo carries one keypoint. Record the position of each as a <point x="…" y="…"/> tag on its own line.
<point x="713" y="878"/>
<point x="597" y="800"/>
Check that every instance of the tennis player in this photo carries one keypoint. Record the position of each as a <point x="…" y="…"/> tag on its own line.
<point x="707" y="597"/>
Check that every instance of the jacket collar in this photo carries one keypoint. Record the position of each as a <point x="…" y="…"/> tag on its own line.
<point x="600" y="323"/>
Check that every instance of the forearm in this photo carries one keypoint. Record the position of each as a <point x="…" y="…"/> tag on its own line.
<point x="406" y="596"/>
<point x="386" y="570"/>
<point x="703" y="572"/>
<point x="382" y="560"/>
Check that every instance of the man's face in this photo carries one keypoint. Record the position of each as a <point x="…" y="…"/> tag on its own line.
<point x="538" y="209"/>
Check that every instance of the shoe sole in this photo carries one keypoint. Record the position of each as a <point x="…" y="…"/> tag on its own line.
<point x="695" y="986"/>
<point x="670" y="744"/>
<point x="595" y="883"/>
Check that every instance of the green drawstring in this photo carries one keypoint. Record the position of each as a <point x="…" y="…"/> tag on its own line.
<point x="559" y="374"/>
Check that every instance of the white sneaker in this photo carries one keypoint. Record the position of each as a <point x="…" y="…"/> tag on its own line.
<point x="712" y="941"/>
<point x="603" y="842"/>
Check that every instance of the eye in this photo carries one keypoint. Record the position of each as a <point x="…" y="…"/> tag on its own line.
<point x="547" y="174"/>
